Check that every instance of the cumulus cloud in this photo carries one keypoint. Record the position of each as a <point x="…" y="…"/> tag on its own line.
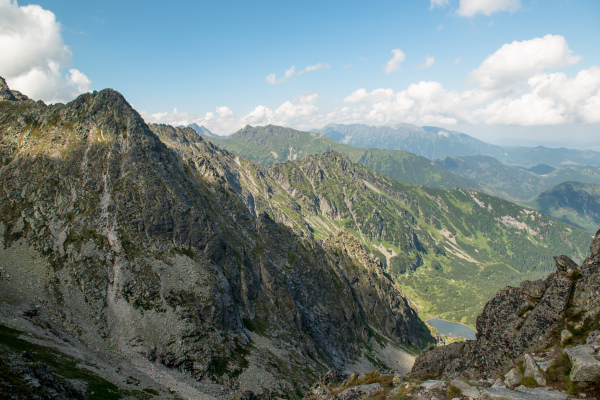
<point x="34" y="57"/>
<point x="511" y="93"/>
<point x="429" y="61"/>
<point x="362" y="96"/>
<point x="437" y="3"/>
<point x="517" y="61"/>
<point x="221" y="122"/>
<point x="469" y="8"/>
<point x="395" y="63"/>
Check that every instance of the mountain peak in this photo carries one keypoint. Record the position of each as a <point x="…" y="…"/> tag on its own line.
<point x="10" y="95"/>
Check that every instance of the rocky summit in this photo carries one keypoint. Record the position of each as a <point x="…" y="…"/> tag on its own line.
<point x="131" y="270"/>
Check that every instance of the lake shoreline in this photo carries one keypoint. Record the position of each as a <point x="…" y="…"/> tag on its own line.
<point x="452" y="329"/>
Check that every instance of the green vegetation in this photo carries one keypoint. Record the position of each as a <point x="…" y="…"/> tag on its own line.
<point x="450" y="251"/>
<point x="67" y="367"/>
<point x="574" y="203"/>
<point x="266" y="145"/>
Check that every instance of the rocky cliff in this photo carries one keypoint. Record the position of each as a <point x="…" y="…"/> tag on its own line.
<point x="117" y="247"/>
<point x="560" y="311"/>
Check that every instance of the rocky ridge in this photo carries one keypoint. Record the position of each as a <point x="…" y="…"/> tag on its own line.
<point x="153" y="259"/>
<point x="550" y="327"/>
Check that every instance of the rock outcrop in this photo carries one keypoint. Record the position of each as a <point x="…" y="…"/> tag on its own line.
<point x="110" y="235"/>
<point x="527" y="318"/>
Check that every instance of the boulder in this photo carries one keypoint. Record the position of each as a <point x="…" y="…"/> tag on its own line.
<point x="466" y="389"/>
<point x="513" y="377"/>
<point x="358" y="392"/>
<point x="532" y="370"/>
<point x="585" y="364"/>
<point x="545" y="393"/>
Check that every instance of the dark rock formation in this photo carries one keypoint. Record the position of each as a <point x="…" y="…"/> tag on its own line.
<point x="522" y="319"/>
<point x="156" y="259"/>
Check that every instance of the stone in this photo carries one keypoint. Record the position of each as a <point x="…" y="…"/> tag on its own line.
<point x="585" y="365"/>
<point x="546" y="393"/>
<point x="507" y="394"/>
<point x="433" y="384"/>
<point x="593" y="339"/>
<point x="532" y="370"/>
<point x="513" y="377"/>
<point x="565" y="335"/>
<point x="358" y="392"/>
<point x="498" y="384"/>
<point x="466" y="389"/>
<point x="544" y="365"/>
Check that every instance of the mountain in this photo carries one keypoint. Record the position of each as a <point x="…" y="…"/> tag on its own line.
<point x="434" y="143"/>
<point x="514" y="183"/>
<point x="201" y="130"/>
<point x="268" y="144"/>
<point x="438" y="244"/>
<point x="144" y="273"/>
<point x="575" y="203"/>
<point x="541" y="169"/>
<point x="428" y="142"/>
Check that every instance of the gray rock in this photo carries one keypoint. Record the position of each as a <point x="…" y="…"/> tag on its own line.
<point x="498" y="384"/>
<point x="585" y="365"/>
<point x="565" y="335"/>
<point x="593" y="339"/>
<point x="433" y="384"/>
<point x="466" y="389"/>
<point x="358" y="392"/>
<point x="545" y="393"/>
<point x="507" y="394"/>
<point x="532" y="370"/>
<point x="513" y="377"/>
<point x="544" y="365"/>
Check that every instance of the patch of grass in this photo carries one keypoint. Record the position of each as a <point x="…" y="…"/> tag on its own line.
<point x="529" y="382"/>
<point x="452" y="392"/>
<point x="67" y="366"/>
<point x="291" y="257"/>
<point x="559" y="374"/>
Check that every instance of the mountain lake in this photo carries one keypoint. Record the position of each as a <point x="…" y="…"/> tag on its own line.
<point x="452" y="329"/>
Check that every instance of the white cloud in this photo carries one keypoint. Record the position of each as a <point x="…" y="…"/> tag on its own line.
<point x="456" y="61"/>
<point x="308" y="98"/>
<point x="290" y="73"/>
<point x="315" y="67"/>
<point x="469" y="8"/>
<point x="429" y="61"/>
<point x="539" y="99"/>
<point x="272" y="78"/>
<point x="437" y="3"/>
<point x="34" y="56"/>
<point x="517" y="61"/>
<point x="394" y="64"/>
<point x="377" y="95"/>
<point x="223" y="122"/>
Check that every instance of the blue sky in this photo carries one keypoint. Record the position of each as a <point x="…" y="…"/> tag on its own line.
<point x="506" y="71"/>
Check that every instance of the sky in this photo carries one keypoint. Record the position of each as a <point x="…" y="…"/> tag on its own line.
<point x="522" y="72"/>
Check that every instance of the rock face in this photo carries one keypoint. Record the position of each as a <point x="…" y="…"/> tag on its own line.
<point x="521" y="319"/>
<point x="155" y="259"/>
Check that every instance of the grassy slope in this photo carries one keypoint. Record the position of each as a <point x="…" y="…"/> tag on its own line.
<point x="575" y="203"/>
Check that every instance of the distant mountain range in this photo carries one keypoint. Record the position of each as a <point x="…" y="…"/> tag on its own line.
<point x="266" y="145"/>
<point x="514" y="183"/>
<point x="434" y="143"/>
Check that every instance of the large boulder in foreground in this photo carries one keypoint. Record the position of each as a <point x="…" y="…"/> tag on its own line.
<point x="522" y="319"/>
